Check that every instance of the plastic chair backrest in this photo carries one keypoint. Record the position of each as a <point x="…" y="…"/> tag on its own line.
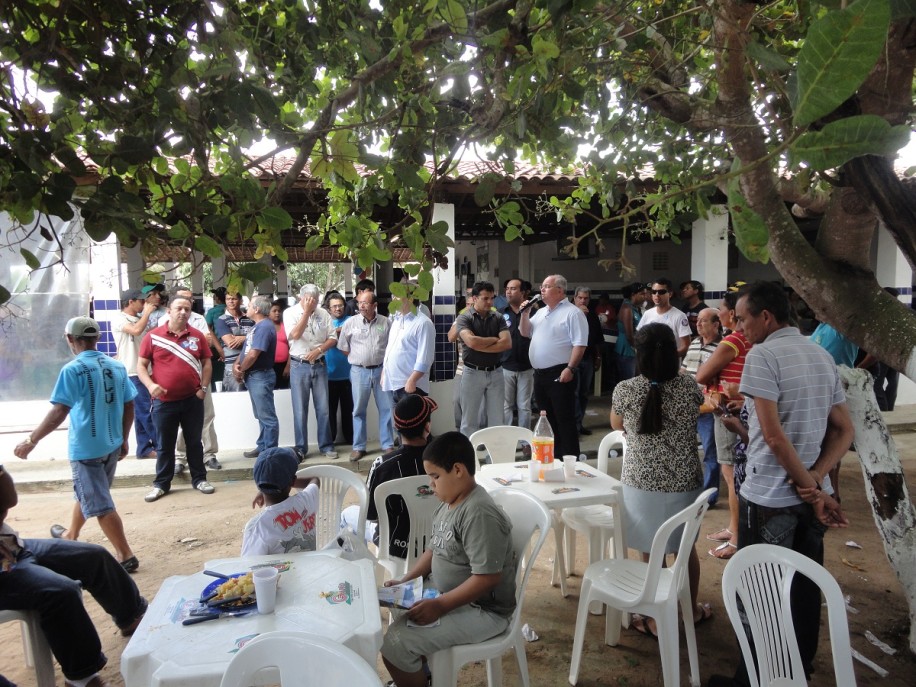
<point x="690" y="519"/>
<point x="527" y="514"/>
<point x="501" y="441"/>
<point x="760" y="576"/>
<point x="420" y="502"/>
<point x="335" y="483"/>
<point x="610" y="440"/>
<point x="300" y="659"/>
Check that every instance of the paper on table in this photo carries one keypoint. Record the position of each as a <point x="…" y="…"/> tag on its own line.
<point x="506" y="480"/>
<point x="555" y="475"/>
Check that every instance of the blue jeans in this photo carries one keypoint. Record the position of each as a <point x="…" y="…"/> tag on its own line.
<point x="365" y="382"/>
<point x="706" y="428"/>
<point x="230" y="383"/>
<point x="485" y="390"/>
<point x="47" y="579"/>
<point x="144" y="427"/>
<point x="188" y="414"/>
<point x="518" y="387"/>
<point x="796" y="528"/>
<point x="305" y="379"/>
<point x="260" y="385"/>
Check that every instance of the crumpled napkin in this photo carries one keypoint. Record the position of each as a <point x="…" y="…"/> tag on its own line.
<point x="529" y="634"/>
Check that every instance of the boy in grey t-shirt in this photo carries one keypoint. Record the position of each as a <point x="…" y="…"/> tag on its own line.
<point x="471" y="560"/>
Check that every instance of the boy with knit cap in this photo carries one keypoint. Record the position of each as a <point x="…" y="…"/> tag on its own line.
<point x="286" y="523"/>
<point x="412" y="417"/>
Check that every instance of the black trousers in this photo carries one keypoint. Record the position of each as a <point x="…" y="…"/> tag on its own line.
<point x="340" y="395"/>
<point x="559" y="400"/>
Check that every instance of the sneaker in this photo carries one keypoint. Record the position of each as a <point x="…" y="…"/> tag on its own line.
<point x="154" y="494"/>
<point x="213" y="464"/>
<point x="356" y="455"/>
<point x="180" y="468"/>
<point x="253" y="453"/>
<point x="204" y="487"/>
<point x="330" y="455"/>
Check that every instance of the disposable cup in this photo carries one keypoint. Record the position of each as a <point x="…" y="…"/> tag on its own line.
<point x="534" y="470"/>
<point x="219" y="387"/>
<point x="569" y="466"/>
<point x="265" y="588"/>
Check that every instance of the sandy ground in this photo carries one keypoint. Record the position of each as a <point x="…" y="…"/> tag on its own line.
<point x="177" y="534"/>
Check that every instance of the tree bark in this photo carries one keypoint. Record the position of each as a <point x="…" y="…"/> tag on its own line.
<point x="885" y="485"/>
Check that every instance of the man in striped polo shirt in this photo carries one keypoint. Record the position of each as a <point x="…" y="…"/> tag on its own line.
<point x="180" y="379"/>
<point x="799" y="428"/>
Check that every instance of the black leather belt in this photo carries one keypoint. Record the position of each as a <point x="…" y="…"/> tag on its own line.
<point x="368" y="367"/>
<point x="320" y="361"/>
<point x="554" y="370"/>
<point x="482" y="368"/>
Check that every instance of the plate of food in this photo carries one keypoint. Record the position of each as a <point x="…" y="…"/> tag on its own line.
<point x="235" y="591"/>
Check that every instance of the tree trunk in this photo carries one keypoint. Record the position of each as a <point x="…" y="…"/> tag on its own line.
<point x="885" y="485"/>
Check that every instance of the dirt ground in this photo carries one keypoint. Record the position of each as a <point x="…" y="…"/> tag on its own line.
<point x="177" y="534"/>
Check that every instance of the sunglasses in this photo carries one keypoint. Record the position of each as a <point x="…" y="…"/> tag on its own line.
<point x="659" y="292"/>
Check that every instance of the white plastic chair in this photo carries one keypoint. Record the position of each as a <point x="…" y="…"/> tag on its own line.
<point x="650" y="589"/>
<point x="599" y="523"/>
<point x="421" y="503"/>
<point x="501" y="442"/>
<point x="527" y="513"/>
<point x="761" y="576"/>
<point x="34" y="645"/>
<point x="335" y="483"/>
<point x="297" y="659"/>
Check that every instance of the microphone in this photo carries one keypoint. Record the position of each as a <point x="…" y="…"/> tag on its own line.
<point x="532" y="301"/>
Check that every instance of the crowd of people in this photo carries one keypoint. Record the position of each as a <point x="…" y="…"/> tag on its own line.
<point x="763" y="401"/>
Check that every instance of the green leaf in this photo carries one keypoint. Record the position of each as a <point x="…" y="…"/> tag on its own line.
<point x="255" y="272"/>
<point x="486" y="187"/>
<point x="275" y="218"/>
<point x="454" y="15"/>
<point x="425" y="281"/>
<point x="768" y="59"/>
<point x="902" y="9"/>
<point x="751" y="233"/>
<point x="30" y="259"/>
<point x="208" y="246"/>
<point x="4" y="294"/>
<point x="842" y="140"/>
<point x="314" y="242"/>
<point x="839" y="52"/>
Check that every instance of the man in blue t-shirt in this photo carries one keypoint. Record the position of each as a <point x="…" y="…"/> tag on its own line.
<point x="255" y="370"/>
<point x="94" y="391"/>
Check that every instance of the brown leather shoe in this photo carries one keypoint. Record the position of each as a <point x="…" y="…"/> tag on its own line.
<point x="356" y="455"/>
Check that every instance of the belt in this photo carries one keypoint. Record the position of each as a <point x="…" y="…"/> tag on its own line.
<point x="482" y="368"/>
<point x="550" y="370"/>
<point x="320" y="361"/>
<point x="367" y="367"/>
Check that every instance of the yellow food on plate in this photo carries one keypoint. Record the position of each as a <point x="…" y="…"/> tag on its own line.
<point x="242" y="586"/>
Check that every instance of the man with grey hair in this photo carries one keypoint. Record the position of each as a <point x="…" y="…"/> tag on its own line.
<point x="311" y="333"/>
<point x="255" y="369"/>
<point x="591" y="361"/>
<point x="559" y="337"/>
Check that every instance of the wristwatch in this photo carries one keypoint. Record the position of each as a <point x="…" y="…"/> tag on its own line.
<point x="204" y="389"/>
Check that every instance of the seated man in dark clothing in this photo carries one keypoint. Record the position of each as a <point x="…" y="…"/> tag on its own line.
<point x="45" y="575"/>
<point x="412" y="420"/>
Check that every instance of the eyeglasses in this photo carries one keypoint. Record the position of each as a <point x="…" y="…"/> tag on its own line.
<point x="544" y="287"/>
<point x="659" y="292"/>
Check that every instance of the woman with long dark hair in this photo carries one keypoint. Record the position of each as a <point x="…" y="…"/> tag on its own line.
<point x="662" y="473"/>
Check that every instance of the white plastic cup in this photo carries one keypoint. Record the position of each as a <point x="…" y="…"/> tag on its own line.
<point x="534" y="470"/>
<point x="569" y="466"/>
<point x="265" y="588"/>
<point x="219" y="387"/>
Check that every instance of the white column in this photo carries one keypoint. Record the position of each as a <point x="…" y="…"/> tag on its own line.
<point x="282" y="281"/>
<point x="709" y="253"/>
<point x="443" y="315"/>
<point x="892" y="268"/>
<point x="219" y="271"/>
<point x="132" y="272"/>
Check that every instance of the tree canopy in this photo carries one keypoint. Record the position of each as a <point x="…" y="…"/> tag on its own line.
<point x="768" y="102"/>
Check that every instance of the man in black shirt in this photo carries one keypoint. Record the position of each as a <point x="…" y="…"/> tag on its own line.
<point x="518" y="375"/>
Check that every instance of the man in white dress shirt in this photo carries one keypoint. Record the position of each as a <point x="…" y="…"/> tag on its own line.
<point x="410" y="352"/>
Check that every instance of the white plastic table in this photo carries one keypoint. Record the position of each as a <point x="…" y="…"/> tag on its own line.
<point x="580" y="490"/>
<point x="320" y="593"/>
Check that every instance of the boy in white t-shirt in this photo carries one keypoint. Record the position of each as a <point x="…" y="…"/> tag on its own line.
<point x="286" y="524"/>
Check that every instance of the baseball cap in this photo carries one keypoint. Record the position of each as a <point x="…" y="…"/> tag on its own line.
<point x="275" y="470"/>
<point x="149" y="288"/>
<point x="132" y="295"/>
<point x="413" y="411"/>
<point x="80" y="327"/>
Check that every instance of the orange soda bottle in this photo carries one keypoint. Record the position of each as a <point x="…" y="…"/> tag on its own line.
<point x="542" y="444"/>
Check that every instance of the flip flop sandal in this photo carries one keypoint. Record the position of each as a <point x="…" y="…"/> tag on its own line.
<point x="706" y="615"/>
<point x="724" y="534"/>
<point x="724" y="551"/>
<point x="641" y="625"/>
<point x="131" y="564"/>
<point x="58" y="531"/>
